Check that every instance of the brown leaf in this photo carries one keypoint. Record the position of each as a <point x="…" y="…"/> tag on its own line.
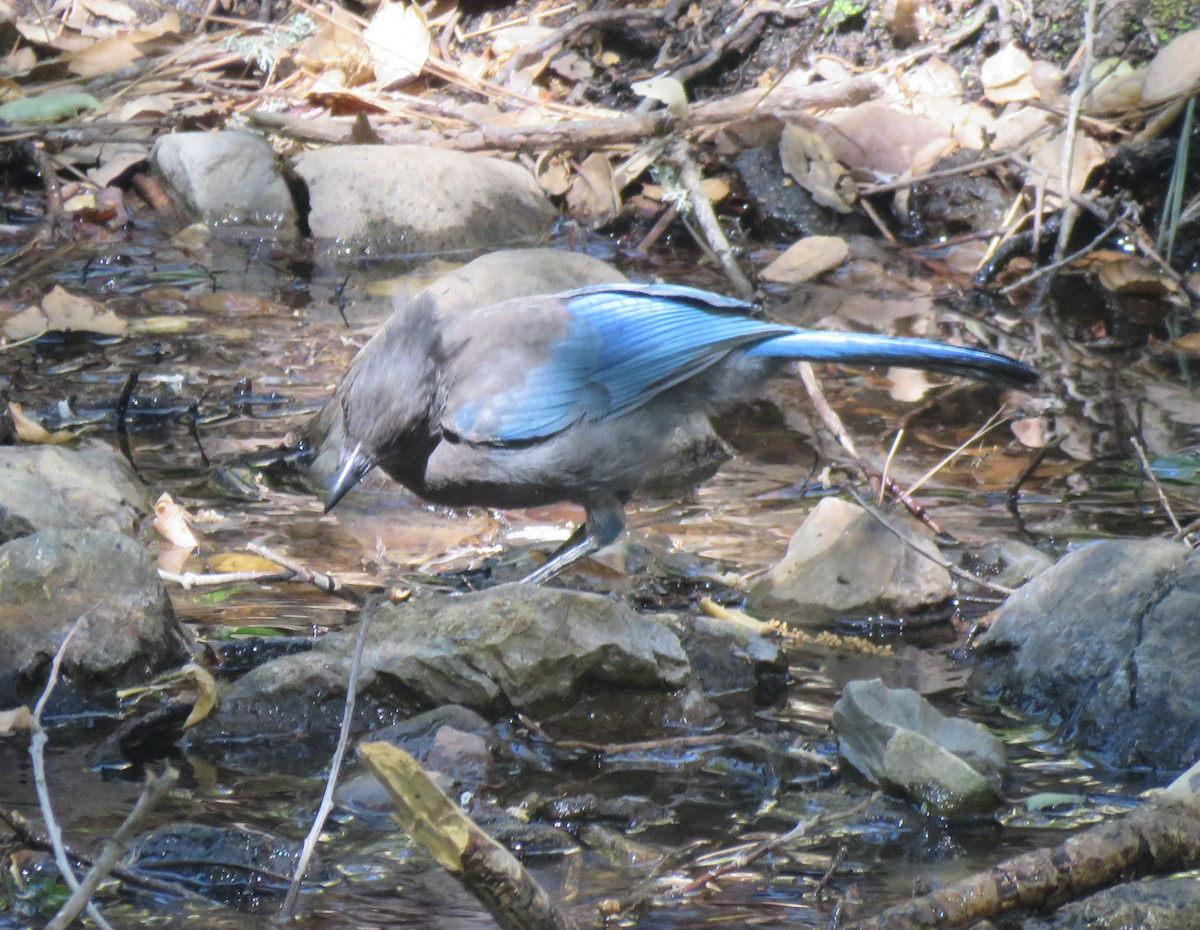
<point x="593" y="198"/>
<point x="810" y="161"/>
<point x="171" y="521"/>
<point x="806" y="259"/>
<point x="31" y="431"/>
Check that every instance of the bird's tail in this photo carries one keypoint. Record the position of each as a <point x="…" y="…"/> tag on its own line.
<point x="870" y="349"/>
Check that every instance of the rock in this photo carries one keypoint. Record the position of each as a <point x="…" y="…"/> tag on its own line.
<point x="842" y="561"/>
<point x="1159" y="903"/>
<point x="529" y="647"/>
<point x="13" y="526"/>
<point x="91" y="487"/>
<point x="1104" y="645"/>
<point x="486" y="280"/>
<point x="51" y="578"/>
<point x="453" y="743"/>
<point x="728" y="657"/>
<point x="781" y="204"/>
<point x="899" y="741"/>
<point x="1012" y="563"/>
<point x="421" y="200"/>
<point x="226" y="177"/>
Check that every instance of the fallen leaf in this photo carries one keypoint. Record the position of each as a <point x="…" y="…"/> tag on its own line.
<point x="241" y="562"/>
<point x="47" y="108"/>
<point x="1116" y="87"/>
<point x="1188" y="345"/>
<point x="1175" y="70"/>
<point x="64" y="312"/>
<point x="554" y="175"/>
<point x="1031" y="432"/>
<point x="110" y="9"/>
<point x="593" y="198"/>
<point x="806" y="259"/>
<point x="234" y="303"/>
<point x="171" y="521"/>
<point x="206" y="692"/>
<point x="666" y="90"/>
<point x="14" y="721"/>
<point x="1007" y="76"/>
<point x="809" y="160"/>
<point x="907" y="385"/>
<point x="1088" y="155"/>
<point x="103" y="57"/>
<point x="1129" y="275"/>
<point x="31" y="431"/>
<point x="398" y="40"/>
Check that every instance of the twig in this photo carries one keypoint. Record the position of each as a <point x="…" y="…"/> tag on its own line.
<point x="1066" y="166"/>
<point x="335" y="767"/>
<point x="302" y="572"/>
<point x="834" y="424"/>
<point x="37" y="746"/>
<point x="206" y="579"/>
<point x="115" y="847"/>
<point x="993" y="422"/>
<point x="905" y="538"/>
<point x="28" y="838"/>
<point x="760" y="849"/>
<point x="887" y="463"/>
<point x="689" y="175"/>
<point x="1158" y="488"/>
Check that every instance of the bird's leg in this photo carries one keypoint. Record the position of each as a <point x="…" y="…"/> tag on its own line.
<point x="604" y="523"/>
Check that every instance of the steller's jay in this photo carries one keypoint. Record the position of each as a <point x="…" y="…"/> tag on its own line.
<point x="582" y="396"/>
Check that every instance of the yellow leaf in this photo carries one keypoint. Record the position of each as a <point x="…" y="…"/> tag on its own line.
<point x="31" y="431"/>
<point x="241" y="562"/>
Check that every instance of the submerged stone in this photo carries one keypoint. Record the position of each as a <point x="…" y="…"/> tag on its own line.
<point x="899" y="741"/>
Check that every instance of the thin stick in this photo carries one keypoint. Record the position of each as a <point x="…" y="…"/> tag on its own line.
<point x="991" y="424"/>
<point x="834" y="424"/>
<point x="115" y="847"/>
<point x="335" y="767"/>
<point x="206" y="579"/>
<point x="689" y="174"/>
<point x="758" y="850"/>
<point x="935" y="559"/>
<point x="887" y="463"/>
<point x="302" y="572"/>
<point x="37" y="746"/>
<point x="1154" y="483"/>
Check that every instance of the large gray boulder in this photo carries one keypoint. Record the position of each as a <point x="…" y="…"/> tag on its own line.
<point x="226" y="177"/>
<point x="842" y="562"/>
<point x="49" y="580"/>
<point x="900" y="741"/>
<point x="51" y="486"/>
<point x="1104" y="644"/>
<point x="514" y="645"/>
<point x="421" y="200"/>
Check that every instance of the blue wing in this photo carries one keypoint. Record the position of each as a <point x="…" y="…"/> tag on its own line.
<point x="624" y="345"/>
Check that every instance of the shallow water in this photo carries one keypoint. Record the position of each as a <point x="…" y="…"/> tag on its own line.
<point x="248" y="371"/>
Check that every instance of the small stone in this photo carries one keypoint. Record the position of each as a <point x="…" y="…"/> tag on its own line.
<point x="898" y="740"/>
<point x="842" y="561"/>
<point x="421" y="200"/>
<point x="226" y="177"/>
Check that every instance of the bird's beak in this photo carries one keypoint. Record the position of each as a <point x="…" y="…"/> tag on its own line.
<point x="354" y="468"/>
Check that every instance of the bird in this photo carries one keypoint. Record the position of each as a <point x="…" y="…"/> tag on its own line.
<point x="582" y="396"/>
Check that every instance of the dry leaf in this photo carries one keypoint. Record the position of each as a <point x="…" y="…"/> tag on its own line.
<point x="241" y="562"/>
<point x="1032" y="432"/>
<point x="1188" y="345"/>
<point x="593" y="198"/>
<point x="17" y="720"/>
<point x="666" y="90"/>
<point x="1007" y="76"/>
<point x="103" y="57"/>
<point x="234" y="303"/>
<point x="810" y="161"/>
<point x="1047" y="161"/>
<point x="206" y="692"/>
<point x="64" y="312"/>
<point x="336" y="47"/>
<point x="1117" y="87"/>
<point x="31" y="431"/>
<point x="907" y="385"/>
<point x="1175" y="70"/>
<point x="398" y="40"/>
<point x="806" y="259"/>
<point x="554" y="175"/>
<point x="172" y="523"/>
<point x="109" y="9"/>
<point x="1134" y="276"/>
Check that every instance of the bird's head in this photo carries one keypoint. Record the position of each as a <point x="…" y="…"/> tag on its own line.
<point x="384" y="406"/>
